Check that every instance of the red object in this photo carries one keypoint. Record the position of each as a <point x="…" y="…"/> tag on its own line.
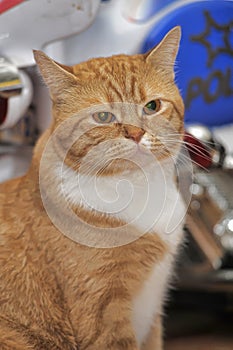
<point x="6" y="5"/>
<point x="3" y="109"/>
<point x="198" y="151"/>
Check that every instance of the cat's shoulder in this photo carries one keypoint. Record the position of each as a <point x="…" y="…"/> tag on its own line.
<point x="8" y="190"/>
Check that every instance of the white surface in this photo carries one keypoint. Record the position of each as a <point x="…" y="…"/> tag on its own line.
<point x="111" y="33"/>
<point x="16" y="164"/>
<point x="32" y="24"/>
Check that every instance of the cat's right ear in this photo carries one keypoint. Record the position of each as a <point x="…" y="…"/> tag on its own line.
<point x="57" y="77"/>
<point x="164" y="54"/>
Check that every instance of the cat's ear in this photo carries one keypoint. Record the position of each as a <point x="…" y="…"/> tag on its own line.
<point x="164" y="54"/>
<point x="57" y="77"/>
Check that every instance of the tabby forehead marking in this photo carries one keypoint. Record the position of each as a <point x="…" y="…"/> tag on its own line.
<point x="120" y="77"/>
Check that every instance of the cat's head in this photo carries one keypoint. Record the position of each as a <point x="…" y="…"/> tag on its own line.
<point x="120" y="106"/>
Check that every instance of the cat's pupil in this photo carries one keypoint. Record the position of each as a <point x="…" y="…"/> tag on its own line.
<point x="151" y="105"/>
<point x="103" y="116"/>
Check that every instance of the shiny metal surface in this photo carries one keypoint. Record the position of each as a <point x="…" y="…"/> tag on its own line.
<point x="201" y="132"/>
<point x="10" y="82"/>
<point x="217" y="152"/>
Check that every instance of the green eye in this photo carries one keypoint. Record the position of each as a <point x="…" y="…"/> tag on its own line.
<point x="152" y="107"/>
<point x="103" y="117"/>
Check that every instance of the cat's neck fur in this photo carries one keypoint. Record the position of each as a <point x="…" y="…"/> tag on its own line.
<point x="146" y="199"/>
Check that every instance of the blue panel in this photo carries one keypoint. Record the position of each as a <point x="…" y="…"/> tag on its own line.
<point x="205" y="61"/>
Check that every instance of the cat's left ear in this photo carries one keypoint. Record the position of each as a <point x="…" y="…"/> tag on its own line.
<point x="164" y="54"/>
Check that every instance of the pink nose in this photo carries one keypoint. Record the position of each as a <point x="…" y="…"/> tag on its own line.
<point x="135" y="135"/>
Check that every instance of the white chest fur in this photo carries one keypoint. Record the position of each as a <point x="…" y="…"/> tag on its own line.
<point x="148" y="303"/>
<point x="148" y="201"/>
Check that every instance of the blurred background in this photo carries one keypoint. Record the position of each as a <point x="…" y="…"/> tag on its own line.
<point x="199" y="313"/>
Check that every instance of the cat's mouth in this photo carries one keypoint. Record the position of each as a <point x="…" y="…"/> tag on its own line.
<point x="142" y="150"/>
<point x="137" y="157"/>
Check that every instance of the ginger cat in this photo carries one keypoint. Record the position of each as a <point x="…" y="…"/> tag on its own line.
<point x="85" y="288"/>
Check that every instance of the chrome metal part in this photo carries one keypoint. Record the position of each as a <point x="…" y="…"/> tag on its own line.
<point x="10" y="82"/>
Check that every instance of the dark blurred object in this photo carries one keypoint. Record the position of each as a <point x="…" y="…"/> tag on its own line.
<point x="207" y="261"/>
<point x="205" y="150"/>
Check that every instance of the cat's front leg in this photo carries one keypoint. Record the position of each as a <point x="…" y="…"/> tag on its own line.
<point x="115" y="344"/>
<point x="154" y="340"/>
<point x="110" y="341"/>
<point x="11" y="339"/>
<point x="116" y="335"/>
